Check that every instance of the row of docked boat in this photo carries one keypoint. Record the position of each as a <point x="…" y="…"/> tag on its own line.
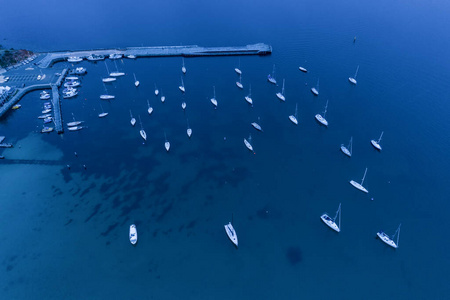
<point x="46" y="116"/>
<point x="97" y="57"/>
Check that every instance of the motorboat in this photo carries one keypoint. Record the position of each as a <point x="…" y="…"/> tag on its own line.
<point x="213" y="99"/>
<point x="133" y="234"/>
<point x="183" y="105"/>
<point x="142" y="131"/>
<point x="248" y="143"/>
<point x="150" y="109"/>
<point x="133" y="120"/>
<point x="74" y="59"/>
<point x="78" y="71"/>
<point x="70" y="94"/>
<point x="156" y="91"/>
<point x="116" y="74"/>
<point x="189" y="132"/>
<point x="107" y="97"/>
<point x="181" y="87"/>
<point x="103" y="114"/>
<point x="95" y="57"/>
<point x="46" y="129"/>
<point x="109" y="79"/>
<point x="183" y="68"/>
<point x="72" y="83"/>
<point x="239" y="83"/>
<point x="248" y="98"/>
<point x="257" y="126"/>
<point x="17" y="106"/>
<point x="72" y="78"/>
<point x="136" y="82"/>
<point x="167" y="146"/>
<point x="46" y="111"/>
<point x="231" y="233"/>
<point x="332" y="222"/>
<point x="131" y="56"/>
<point x="44" y="116"/>
<point x="48" y="120"/>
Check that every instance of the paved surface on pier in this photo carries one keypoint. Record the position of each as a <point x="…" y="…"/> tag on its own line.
<point x="57" y="120"/>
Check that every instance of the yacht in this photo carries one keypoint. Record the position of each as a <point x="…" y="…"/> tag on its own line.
<point x="78" y="71"/>
<point x="133" y="120"/>
<point x="181" y="87"/>
<point x="109" y="79"/>
<point x="347" y="150"/>
<point x="376" y="144"/>
<point x="70" y="93"/>
<point x="116" y="73"/>
<point x="353" y="79"/>
<point x="229" y="229"/>
<point x="46" y="111"/>
<point x="248" y="98"/>
<point x="281" y="95"/>
<point x="303" y="69"/>
<point x="150" y="109"/>
<point x="293" y="118"/>
<point x="183" y="105"/>
<point x="107" y="97"/>
<point x="271" y="78"/>
<point x="17" y="106"/>
<point x="71" y="83"/>
<point x="239" y="83"/>
<point x="388" y="240"/>
<point x="332" y="222"/>
<point x="74" y="59"/>
<point x="46" y="129"/>
<point x="247" y="143"/>
<point x="133" y="234"/>
<point x="183" y="68"/>
<point x="359" y="186"/>
<point x="95" y="57"/>
<point x="48" y="120"/>
<point x="315" y="90"/>
<point x="156" y="91"/>
<point x="321" y="119"/>
<point x="142" y="131"/>
<point x="256" y="125"/>
<point x="213" y="99"/>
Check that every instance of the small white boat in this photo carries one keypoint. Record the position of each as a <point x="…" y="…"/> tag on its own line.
<point x="116" y="74"/>
<point x="332" y="222"/>
<point x="315" y="90"/>
<point x="281" y="95"/>
<point x="74" y="59"/>
<point x="347" y="150"/>
<point x="359" y="186"/>
<point x="70" y="93"/>
<point x="239" y="83"/>
<point x="181" y="87"/>
<point x="39" y="77"/>
<point x="136" y="82"/>
<point x="45" y="96"/>
<point x="163" y="98"/>
<point x="150" y="109"/>
<point x="72" y="78"/>
<point x="47" y="129"/>
<point x="109" y="79"/>
<point x="95" y="57"/>
<point x="189" y="130"/>
<point x="166" y="143"/>
<point x="229" y="229"/>
<point x="293" y="118"/>
<point x="183" y="105"/>
<point x="78" y="71"/>
<point x="131" y="56"/>
<point x="213" y="99"/>
<point x="133" y="234"/>
<point x="390" y="241"/>
<point x="238" y="69"/>
<point x="321" y="119"/>
<point x="256" y="125"/>
<point x="248" y="98"/>
<point x="102" y="115"/>
<point x="71" y="83"/>
<point x="248" y="143"/>
<point x="75" y="128"/>
<point x="271" y="78"/>
<point x="74" y="123"/>
<point x="107" y="97"/>
<point x="303" y="69"/>
<point x="46" y="111"/>
<point x="376" y="144"/>
<point x="133" y="120"/>
<point x="156" y="91"/>
<point x="142" y="131"/>
<point x="17" y="106"/>
<point x="183" y="68"/>
<point x="44" y="116"/>
<point x="353" y="79"/>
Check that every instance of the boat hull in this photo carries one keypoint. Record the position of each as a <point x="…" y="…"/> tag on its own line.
<point x="330" y="223"/>
<point x="321" y="120"/>
<point x="231" y="233"/>
<point x="133" y="234"/>
<point x="314" y="91"/>
<point x="352" y="80"/>
<point x="303" y="69"/>
<point x="345" y="151"/>
<point x="375" y="145"/>
<point x="281" y="97"/>
<point x="293" y="119"/>
<point x="386" y="239"/>
<point x="359" y="186"/>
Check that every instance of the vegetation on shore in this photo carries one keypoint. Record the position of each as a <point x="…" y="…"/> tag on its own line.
<point x="11" y="57"/>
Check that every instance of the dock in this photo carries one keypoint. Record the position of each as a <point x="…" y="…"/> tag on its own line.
<point x="57" y="109"/>
<point x="160" y="51"/>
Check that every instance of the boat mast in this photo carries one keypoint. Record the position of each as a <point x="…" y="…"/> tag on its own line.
<point x="350" y="145"/>
<point x="398" y="233"/>
<point x="273" y="72"/>
<point x="296" y="104"/>
<point x="214" y="88"/>
<point x="356" y="73"/>
<point x="282" y="90"/>
<point x="338" y="212"/>
<point x="379" y="140"/>
<point x="183" y="61"/>
<point x="318" y="84"/>
<point x="325" y="112"/>
<point x="250" y="91"/>
<point x="362" y="181"/>
<point x="134" y="76"/>
<point x="142" y="128"/>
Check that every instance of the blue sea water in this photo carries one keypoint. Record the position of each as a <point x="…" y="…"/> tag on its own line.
<point x="64" y="233"/>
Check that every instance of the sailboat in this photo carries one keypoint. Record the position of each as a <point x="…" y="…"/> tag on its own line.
<point x="332" y="222"/>
<point x="74" y="123"/>
<point x="248" y="98"/>
<point x="142" y="131"/>
<point x="231" y="233"/>
<point x="315" y="90"/>
<point x="108" y="79"/>
<point x="238" y="69"/>
<point x="303" y="69"/>
<point x="183" y="105"/>
<point x="106" y="96"/>
<point x="189" y="130"/>
<point x="133" y="120"/>
<point x="239" y="83"/>
<point x="271" y="78"/>
<point x="281" y="95"/>
<point x="156" y="91"/>
<point x="163" y="98"/>
<point x="213" y="99"/>
<point x="256" y="125"/>
<point x="348" y="150"/>
<point x="359" y="186"/>
<point x="376" y="144"/>
<point x="102" y="114"/>
<point x="183" y="68"/>
<point x="321" y="119"/>
<point x="247" y="143"/>
<point x="133" y="234"/>
<point x="117" y="73"/>
<point x="181" y="87"/>
<point x="136" y="82"/>
<point x="166" y="143"/>
<point x="150" y="109"/>
<point x="293" y="118"/>
<point x="388" y="240"/>
<point x="353" y="79"/>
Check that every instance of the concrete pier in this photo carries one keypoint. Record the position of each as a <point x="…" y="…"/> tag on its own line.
<point x="57" y="119"/>
<point x="255" y="49"/>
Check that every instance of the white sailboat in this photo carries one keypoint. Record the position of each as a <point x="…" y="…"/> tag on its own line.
<point x="239" y="83"/>
<point x="74" y="123"/>
<point x="271" y="78"/>
<point x="332" y="222"/>
<point x="142" y="131"/>
<point x="321" y="119"/>
<point x="117" y="73"/>
<point x="281" y="95"/>
<point x="248" y="97"/>
<point x="109" y="79"/>
<point x="133" y="234"/>
<point x="189" y="130"/>
<point x="315" y="90"/>
<point x="238" y="69"/>
<point x="376" y="144"/>
<point x="248" y="143"/>
<point x="181" y="87"/>
<point x="166" y="143"/>
<point x="359" y="186"/>
<point x="213" y="99"/>
<point x="103" y="113"/>
<point x="106" y="96"/>
<point x="183" y="105"/>
<point x="293" y="118"/>
<point x="150" y="109"/>
<point x="388" y="240"/>
<point x="348" y="150"/>
<point x="136" y="82"/>
<point x="163" y="98"/>
<point x="183" y="68"/>
<point x="133" y="120"/>
<point x="75" y="128"/>
<point x="156" y="91"/>
<point x="353" y="79"/>
<point x="231" y="233"/>
<point x="256" y="125"/>
<point x="303" y="69"/>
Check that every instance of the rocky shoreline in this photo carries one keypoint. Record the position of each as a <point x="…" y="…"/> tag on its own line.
<point x="10" y="57"/>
